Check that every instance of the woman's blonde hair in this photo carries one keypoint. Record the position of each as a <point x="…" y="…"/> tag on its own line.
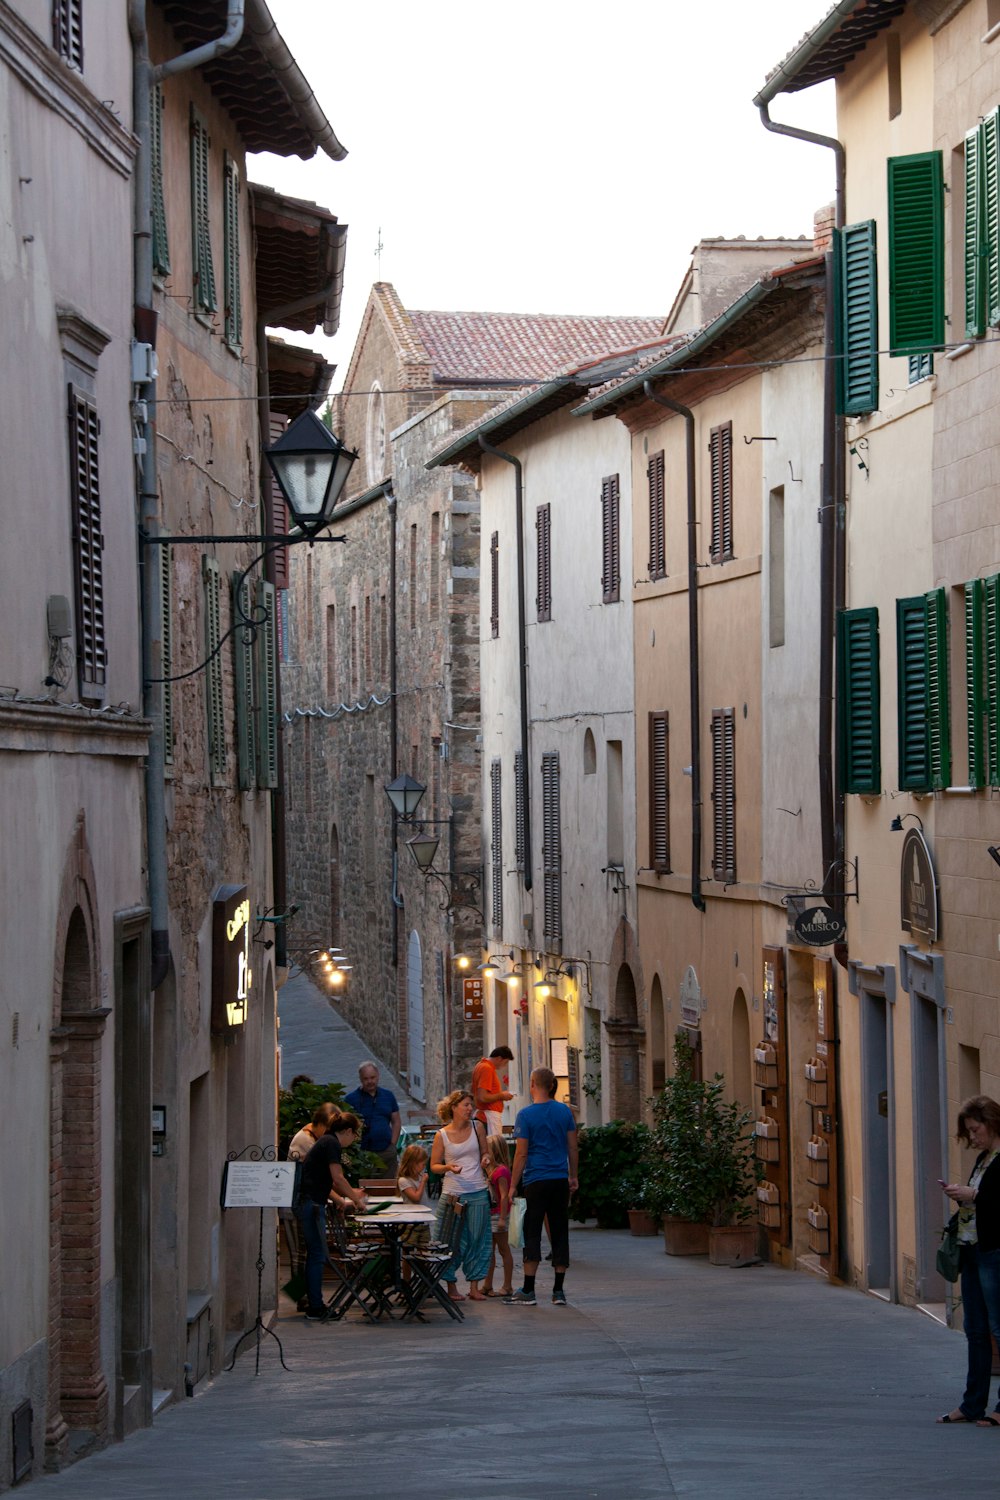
<point x="411" y="1162"/>
<point x="446" y="1106"/>
<point x="496" y="1150"/>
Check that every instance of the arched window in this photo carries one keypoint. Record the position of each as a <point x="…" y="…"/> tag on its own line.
<point x="589" y="754"/>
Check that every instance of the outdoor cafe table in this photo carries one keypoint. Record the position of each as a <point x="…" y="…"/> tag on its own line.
<point x="392" y="1222"/>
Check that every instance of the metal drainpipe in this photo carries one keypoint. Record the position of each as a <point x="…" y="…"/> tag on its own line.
<point x="522" y="646"/>
<point x="832" y="539"/>
<point x="694" y="658"/>
<point x="397" y="901"/>
<point x="144" y="76"/>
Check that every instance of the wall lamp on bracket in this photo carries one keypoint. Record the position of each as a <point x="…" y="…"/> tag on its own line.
<point x="993" y="850"/>
<point x="896" y="826"/>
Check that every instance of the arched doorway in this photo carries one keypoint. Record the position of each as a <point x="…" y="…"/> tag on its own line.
<point x="740" y="1071"/>
<point x="335" y="891"/>
<point x="657" y="1036"/>
<point x="624" y="1035"/>
<point x="415" y="1016"/>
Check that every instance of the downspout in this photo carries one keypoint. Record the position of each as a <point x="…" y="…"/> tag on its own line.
<point x="522" y="646"/>
<point x="832" y="537"/>
<point x="397" y="900"/>
<point x="694" y="656"/>
<point x="144" y="76"/>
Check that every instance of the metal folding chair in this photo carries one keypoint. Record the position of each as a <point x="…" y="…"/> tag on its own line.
<point x="359" y="1267"/>
<point x="428" y="1262"/>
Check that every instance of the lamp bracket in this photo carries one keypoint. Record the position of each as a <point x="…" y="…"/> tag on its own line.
<point x="835" y="887"/>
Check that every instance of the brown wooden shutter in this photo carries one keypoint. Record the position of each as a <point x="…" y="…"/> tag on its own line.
<point x="67" y="31"/>
<point x="496" y="846"/>
<point x="721" y="449"/>
<point x="724" y="794"/>
<point x="275" y="510"/>
<point x="543" y="526"/>
<point x="610" y="539"/>
<point x="495" y="584"/>
<point x="551" y="852"/>
<point x="88" y="544"/>
<point x="657" y="517"/>
<point x="519" y="811"/>
<point x="659" y="793"/>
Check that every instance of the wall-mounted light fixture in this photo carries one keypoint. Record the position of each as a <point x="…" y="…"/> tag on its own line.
<point x="896" y="826"/>
<point x="993" y="850"/>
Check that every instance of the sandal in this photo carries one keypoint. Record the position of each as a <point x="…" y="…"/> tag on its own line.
<point x="488" y="1291"/>
<point x="505" y="1291"/>
<point x="992" y="1419"/>
<point x="957" y="1418"/>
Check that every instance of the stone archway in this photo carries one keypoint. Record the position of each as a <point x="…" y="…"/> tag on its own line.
<point x="624" y="1036"/>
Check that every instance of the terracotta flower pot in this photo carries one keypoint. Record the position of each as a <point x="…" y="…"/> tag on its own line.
<point x="732" y="1244"/>
<point x="640" y="1223"/>
<point x="684" y="1236"/>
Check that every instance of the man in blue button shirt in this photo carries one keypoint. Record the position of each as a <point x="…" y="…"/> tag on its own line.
<point x="380" y="1113"/>
<point x="545" y="1160"/>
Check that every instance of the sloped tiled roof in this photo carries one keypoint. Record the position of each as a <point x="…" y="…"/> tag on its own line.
<point x="825" y="51"/>
<point x="466" y="348"/>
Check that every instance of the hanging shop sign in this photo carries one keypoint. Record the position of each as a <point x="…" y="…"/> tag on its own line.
<point x="819" y="925"/>
<point x="918" y="895"/>
<point x="231" y="977"/>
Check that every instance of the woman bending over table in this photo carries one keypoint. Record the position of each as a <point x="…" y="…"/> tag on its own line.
<point x="457" y="1156"/>
<point x="979" y="1244"/>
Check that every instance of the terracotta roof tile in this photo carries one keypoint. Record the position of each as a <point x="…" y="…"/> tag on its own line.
<point x="466" y="347"/>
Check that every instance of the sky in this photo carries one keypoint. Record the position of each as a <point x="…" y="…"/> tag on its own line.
<point x="547" y="156"/>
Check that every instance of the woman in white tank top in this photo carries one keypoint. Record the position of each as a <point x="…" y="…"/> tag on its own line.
<point x="457" y="1157"/>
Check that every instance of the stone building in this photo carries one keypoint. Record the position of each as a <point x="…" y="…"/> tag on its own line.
<point x="380" y="677"/>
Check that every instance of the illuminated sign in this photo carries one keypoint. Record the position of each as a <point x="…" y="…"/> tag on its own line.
<point x="231" y="976"/>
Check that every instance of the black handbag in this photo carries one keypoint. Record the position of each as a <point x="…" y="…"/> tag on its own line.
<point x="950" y="1251"/>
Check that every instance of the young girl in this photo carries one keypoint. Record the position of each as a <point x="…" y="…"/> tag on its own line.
<point x="498" y="1173"/>
<point x="411" y="1179"/>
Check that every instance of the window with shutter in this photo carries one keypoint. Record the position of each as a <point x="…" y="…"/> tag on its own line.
<point x="721" y="451"/>
<point x="233" y="312"/>
<point x="858" y="318"/>
<point x="67" y="31"/>
<point x="203" y="270"/>
<point x="982" y="226"/>
<point x="551" y="853"/>
<point x="267" y="688"/>
<point x="519" y="811"/>
<point x="496" y="846"/>
<point x="911" y="694"/>
<point x="659" y="793"/>
<point x="246" y="706"/>
<point x="858" y="701"/>
<point x="214" y="692"/>
<point x="938" y="709"/>
<point x="88" y="545"/>
<point x="975" y="701"/>
<point x="724" y="795"/>
<point x="657" y="516"/>
<point x="916" y="252"/>
<point x="610" y="540"/>
<point x="495" y="584"/>
<point x="161" y="247"/>
<point x="543" y="528"/>
<point x="166" y="564"/>
<point x="275" y="510"/>
<point x="991" y="675"/>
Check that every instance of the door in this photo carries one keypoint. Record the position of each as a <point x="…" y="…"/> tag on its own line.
<point x="878" y="1133"/>
<point x="415" y="1015"/>
<point x="929" y="1135"/>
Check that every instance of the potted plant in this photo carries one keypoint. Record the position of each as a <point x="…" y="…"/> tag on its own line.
<point x="642" y="1221"/>
<point x="733" y="1170"/>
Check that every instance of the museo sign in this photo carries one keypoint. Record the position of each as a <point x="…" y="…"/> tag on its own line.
<point x="819" y="925"/>
<point x="918" y="894"/>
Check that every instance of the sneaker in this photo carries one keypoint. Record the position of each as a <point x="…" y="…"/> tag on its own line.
<point x="520" y="1298"/>
<point x="316" y="1315"/>
<point x="559" y="1298"/>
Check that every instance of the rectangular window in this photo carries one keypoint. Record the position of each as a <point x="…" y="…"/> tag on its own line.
<point x="354" y="650"/>
<point x="893" y="74"/>
<point x="434" y="605"/>
<point x="911" y="694"/>
<point x="543" y="528"/>
<point x="245" y="684"/>
<point x="214" y="687"/>
<point x="368" y="641"/>
<point x="659" y="793"/>
<point x="203" y="270"/>
<point x="331" y="652"/>
<point x="657" y="516"/>
<point x="233" y="312"/>
<point x="88" y="546"/>
<point x="776" y="567"/>
<point x="724" y="795"/>
<point x="916" y="252"/>
<point x="383" y="639"/>
<point x="615" y="804"/>
<point x="721" y="451"/>
<point x="413" y="577"/>
<point x="67" y="31"/>
<point x="857" y="318"/>
<point x="610" y="540"/>
<point x="267" y="688"/>
<point x="551" y="852"/>
<point x="520" y="809"/>
<point x="161" y="247"/>
<point x="496" y="847"/>
<point x="166" y="561"/>
<point x="859" y="699"/>
<point x="495" y="584"/>
<point x="982" y="226"/>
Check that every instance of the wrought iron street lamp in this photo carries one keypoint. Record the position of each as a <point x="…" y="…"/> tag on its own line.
<point x="405" y="793"/>
<point x="311" y="466"/>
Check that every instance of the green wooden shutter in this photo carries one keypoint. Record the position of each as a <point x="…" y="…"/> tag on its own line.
<point x="233" y="311"/>
<point x="991" y="664"/>
<point x="496" y="846"/>
<point x="203" y="270"/>
<point x="551" y="853"/>
<point x="214" y="697"/>
<point x="938" y="721"/>
<point x="858" y="319"/>
<point x="859" y="701"/>
<point x="161" y="247"/>
<point x="916" y="252"/>
<point x="974" y="700"/>
<point x="989" y="134"/>
<point x="267" y="688"/>
<point x="911" y="692"/>
<point x="246" y="696"/>
<point x="975" y="275"/>
<point x="166" y="561"/>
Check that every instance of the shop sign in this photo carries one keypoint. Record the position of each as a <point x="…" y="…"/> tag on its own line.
<point x="231" y="977"/>
<point x="819" y="925"/>
<point x="691" y="1004"/>
<point x="472" y="999"/>
<point x="918" y="897"/>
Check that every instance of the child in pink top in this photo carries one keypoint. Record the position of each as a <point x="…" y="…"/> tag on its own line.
<point x="498" y="1174"/>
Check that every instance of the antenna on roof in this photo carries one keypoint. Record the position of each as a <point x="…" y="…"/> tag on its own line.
<point x="378" y="253"/>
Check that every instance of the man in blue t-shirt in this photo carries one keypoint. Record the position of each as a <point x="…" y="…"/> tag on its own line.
<point x="545" y="1162"/>
<point x="379" y="1113"/>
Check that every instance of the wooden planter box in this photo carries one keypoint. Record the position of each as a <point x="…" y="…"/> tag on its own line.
<point x="767" y="1144"/>
<point x="732" y="1244"/>
<point x="816" y="1082"/>
<point x="684" y="1236"/>
<point x="640" y="1223"/>
<point x="765" y="1066"/>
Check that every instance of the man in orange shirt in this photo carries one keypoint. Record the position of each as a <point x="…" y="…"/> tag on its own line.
<point x="488" y="1090"/>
